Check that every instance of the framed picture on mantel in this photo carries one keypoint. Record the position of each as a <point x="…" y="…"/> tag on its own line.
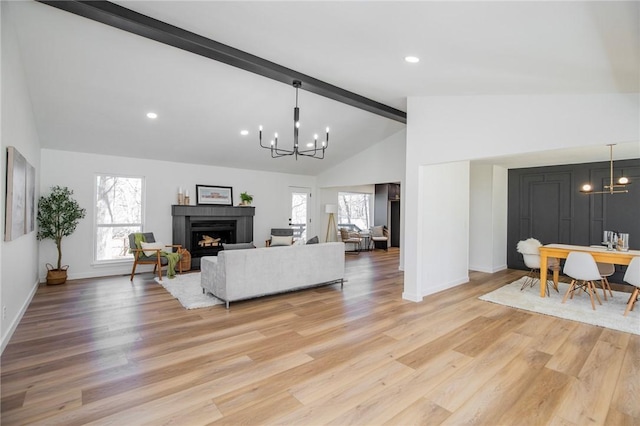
<point x="216" y="195"/>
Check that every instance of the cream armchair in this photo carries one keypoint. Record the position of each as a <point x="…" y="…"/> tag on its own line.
<point x="351" y="238"/>
<point x="380" y="237"/>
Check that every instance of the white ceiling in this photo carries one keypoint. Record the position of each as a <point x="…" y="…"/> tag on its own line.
<point x="91" y="85"/>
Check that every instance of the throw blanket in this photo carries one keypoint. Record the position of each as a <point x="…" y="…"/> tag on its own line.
<point x="172" y="258"/>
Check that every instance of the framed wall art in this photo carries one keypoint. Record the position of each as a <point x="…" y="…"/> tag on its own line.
<point x="20" y="202"/>
<point x="217" y="195"/>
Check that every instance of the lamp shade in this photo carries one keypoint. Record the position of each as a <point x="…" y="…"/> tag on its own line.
<point x="331" y="208"/>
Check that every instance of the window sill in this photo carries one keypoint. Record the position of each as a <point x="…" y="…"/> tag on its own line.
<point x="107" y="263"/>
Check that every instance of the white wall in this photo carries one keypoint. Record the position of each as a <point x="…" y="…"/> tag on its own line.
<point x="488" y="218"/>
<point x="444" y="252"/>
<point x="383" y="162"/>
<point x="19" y="258"/>
<point x="271" y="198"/>
<point x="443" y="129"/>
<point x="452" y="128"/>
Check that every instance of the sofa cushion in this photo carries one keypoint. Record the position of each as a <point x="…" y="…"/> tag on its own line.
<point x="313" y="240"/>
<point x="281" y="241"/>
<point x="238" y="246"/>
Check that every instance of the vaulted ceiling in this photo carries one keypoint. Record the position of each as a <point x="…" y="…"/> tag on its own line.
<point x="91" y="85"/>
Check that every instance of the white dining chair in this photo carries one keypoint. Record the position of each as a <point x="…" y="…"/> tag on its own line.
<point x="606" y="270"/>
<point x="529" y="249"/>
<point x="583" y="271"/>
<point x="632" y="276"/>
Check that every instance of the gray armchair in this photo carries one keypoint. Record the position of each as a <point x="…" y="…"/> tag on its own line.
<point x="156" y="259"/>
<point x="280" y="232"/>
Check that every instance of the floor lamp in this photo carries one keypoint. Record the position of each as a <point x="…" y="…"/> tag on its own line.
<point x="332" y="209"/>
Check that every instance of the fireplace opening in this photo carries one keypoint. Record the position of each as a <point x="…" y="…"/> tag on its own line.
<point x="207" y="237"/>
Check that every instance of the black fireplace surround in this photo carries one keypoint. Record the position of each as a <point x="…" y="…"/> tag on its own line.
<point x="221" y="224"/>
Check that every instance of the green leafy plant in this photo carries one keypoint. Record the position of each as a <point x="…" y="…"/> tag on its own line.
<point x="58" y="216"/>
<point x="246" y="198"/>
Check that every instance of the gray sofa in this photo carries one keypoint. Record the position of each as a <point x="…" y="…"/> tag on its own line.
<point x="243" y="274"/>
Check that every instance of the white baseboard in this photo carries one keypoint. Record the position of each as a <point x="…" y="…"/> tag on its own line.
<point x="446" y="286"/>
<point x="16" y="320"/>
<point x="411" y="297"/>
<point x="487" y="270"/>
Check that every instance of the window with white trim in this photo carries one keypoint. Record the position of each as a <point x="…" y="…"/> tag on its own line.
<point x="354" y="210"/>
<point x="119" y="210"/>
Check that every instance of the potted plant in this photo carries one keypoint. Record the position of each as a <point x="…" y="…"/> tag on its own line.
<point x="246" y="199"/>
<point x="58" y="216"/>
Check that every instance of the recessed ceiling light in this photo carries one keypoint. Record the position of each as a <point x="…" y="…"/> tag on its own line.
<point x="152" y="115"/>
<point x="412" y="59"/>
<point x="244" y="132"/>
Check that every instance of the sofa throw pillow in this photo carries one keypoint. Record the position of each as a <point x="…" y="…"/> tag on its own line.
<point x="313" y="240"/>
<point x="238" y="246"/>
<point x="376" y="231"/>
<point x="281" y="241"/>
<point x="149" y="248"/>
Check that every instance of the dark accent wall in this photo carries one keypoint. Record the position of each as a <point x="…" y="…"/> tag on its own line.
<point x="380" y="205"/>
<point x="546" y="203"/>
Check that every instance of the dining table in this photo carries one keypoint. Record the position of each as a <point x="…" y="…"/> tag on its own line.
<point x="561" y="251"/>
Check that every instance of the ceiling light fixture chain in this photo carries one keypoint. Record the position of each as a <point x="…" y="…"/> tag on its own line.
<point x="612" y="188"/>
<point x="314" y="151"/>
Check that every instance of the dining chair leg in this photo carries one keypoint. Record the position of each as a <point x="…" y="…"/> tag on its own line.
<point x="605" y="286"/>
<point x="593" y="306"/>
<point x="570" y="290"/>
<point x="593" y="288"/>
<point x="529" y="280"/>
<point x="632" y="301"/>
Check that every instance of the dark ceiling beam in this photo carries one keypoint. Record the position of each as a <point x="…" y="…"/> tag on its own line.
<point x="145" y="26"/>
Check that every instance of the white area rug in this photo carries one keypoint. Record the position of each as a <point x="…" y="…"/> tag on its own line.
<point x="186" y="288"/>
<point x="609" y="314"/>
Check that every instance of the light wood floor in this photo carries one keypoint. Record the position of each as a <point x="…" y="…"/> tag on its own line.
<point x="106" y="351"/>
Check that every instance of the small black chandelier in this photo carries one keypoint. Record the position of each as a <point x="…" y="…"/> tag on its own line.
<point x="313" y="151"/>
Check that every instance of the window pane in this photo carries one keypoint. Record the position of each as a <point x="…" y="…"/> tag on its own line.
<point x="299" y="214"/>
<point x="112" y="243"/>
<point x="119" y="200"/>
<point x="354" y="210"/>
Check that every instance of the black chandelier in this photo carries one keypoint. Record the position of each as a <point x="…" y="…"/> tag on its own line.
<point x="313" y="151"/>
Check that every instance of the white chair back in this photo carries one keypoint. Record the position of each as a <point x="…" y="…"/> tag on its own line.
<point x="581" y="266"/>
<point x="531" y="260"/>
<point x="632" y="276"/>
